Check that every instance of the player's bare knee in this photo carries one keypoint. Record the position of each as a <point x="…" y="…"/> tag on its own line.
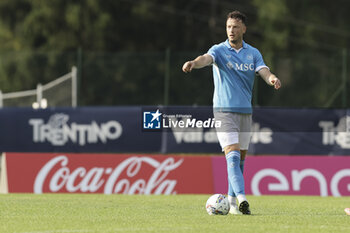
<point x="243" y="154"/>
<point x="230" y="148"/>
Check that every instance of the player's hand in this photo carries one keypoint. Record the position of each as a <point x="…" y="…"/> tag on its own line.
<point x="275" y="82"/>
<point x="188" y="66"/>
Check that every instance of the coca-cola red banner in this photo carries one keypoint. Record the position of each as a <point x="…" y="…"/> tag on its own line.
<point x="107" y="173"/>
<point x="163" y="174"/>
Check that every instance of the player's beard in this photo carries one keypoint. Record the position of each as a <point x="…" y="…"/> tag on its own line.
<point x="236" y="41"/>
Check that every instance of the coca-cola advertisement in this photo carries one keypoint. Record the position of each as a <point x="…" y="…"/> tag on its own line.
<point x="107" y="173"/>
<point x="171" y="174"/>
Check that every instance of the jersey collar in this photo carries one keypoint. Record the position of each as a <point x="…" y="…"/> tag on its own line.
<point x="244" y="45"/>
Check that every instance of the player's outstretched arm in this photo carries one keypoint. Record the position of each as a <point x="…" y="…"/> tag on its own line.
<point x="270" y="78"/>
<point x="197" y="63"/>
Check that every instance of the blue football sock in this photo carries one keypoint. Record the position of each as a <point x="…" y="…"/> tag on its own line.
<point x="230" y="190"/>
<point x="241" y="165"/>
<point x="234" y="172"/>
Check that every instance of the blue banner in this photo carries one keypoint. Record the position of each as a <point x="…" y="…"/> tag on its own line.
<point x="85" y="129"/>
<point x="170" y="130"/>
<point x="301" y="131"/>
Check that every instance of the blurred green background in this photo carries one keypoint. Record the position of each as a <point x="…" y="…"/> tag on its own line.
<point x="130" y="52"/>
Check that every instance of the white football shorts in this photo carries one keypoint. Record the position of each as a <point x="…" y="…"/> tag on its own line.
<point x="235" y="128"/>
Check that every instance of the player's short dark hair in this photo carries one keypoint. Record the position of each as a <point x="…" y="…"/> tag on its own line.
<point x="237" y="15"/>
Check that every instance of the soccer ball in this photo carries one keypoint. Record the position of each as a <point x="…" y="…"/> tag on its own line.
<point x="217" y="204"/>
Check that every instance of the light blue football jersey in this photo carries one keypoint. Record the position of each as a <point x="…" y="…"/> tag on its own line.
<point x="234" y="74"/>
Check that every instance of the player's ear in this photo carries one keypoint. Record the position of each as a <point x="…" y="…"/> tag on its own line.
<point x="244" y="28"/>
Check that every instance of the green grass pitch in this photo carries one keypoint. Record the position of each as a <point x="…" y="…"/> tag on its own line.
<point x="70" y="213"/>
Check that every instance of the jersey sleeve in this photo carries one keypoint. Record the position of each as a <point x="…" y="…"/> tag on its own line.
<point x="259" y="61"/>
<point x="213" y="52"/>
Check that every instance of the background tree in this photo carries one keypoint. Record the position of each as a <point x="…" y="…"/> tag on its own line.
<point x="123" y="46"/>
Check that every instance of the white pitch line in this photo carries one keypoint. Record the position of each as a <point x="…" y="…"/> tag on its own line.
<point x="57" y="231"/>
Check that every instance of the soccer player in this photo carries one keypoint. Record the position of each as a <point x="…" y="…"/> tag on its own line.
<point x="234" y="65"/>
